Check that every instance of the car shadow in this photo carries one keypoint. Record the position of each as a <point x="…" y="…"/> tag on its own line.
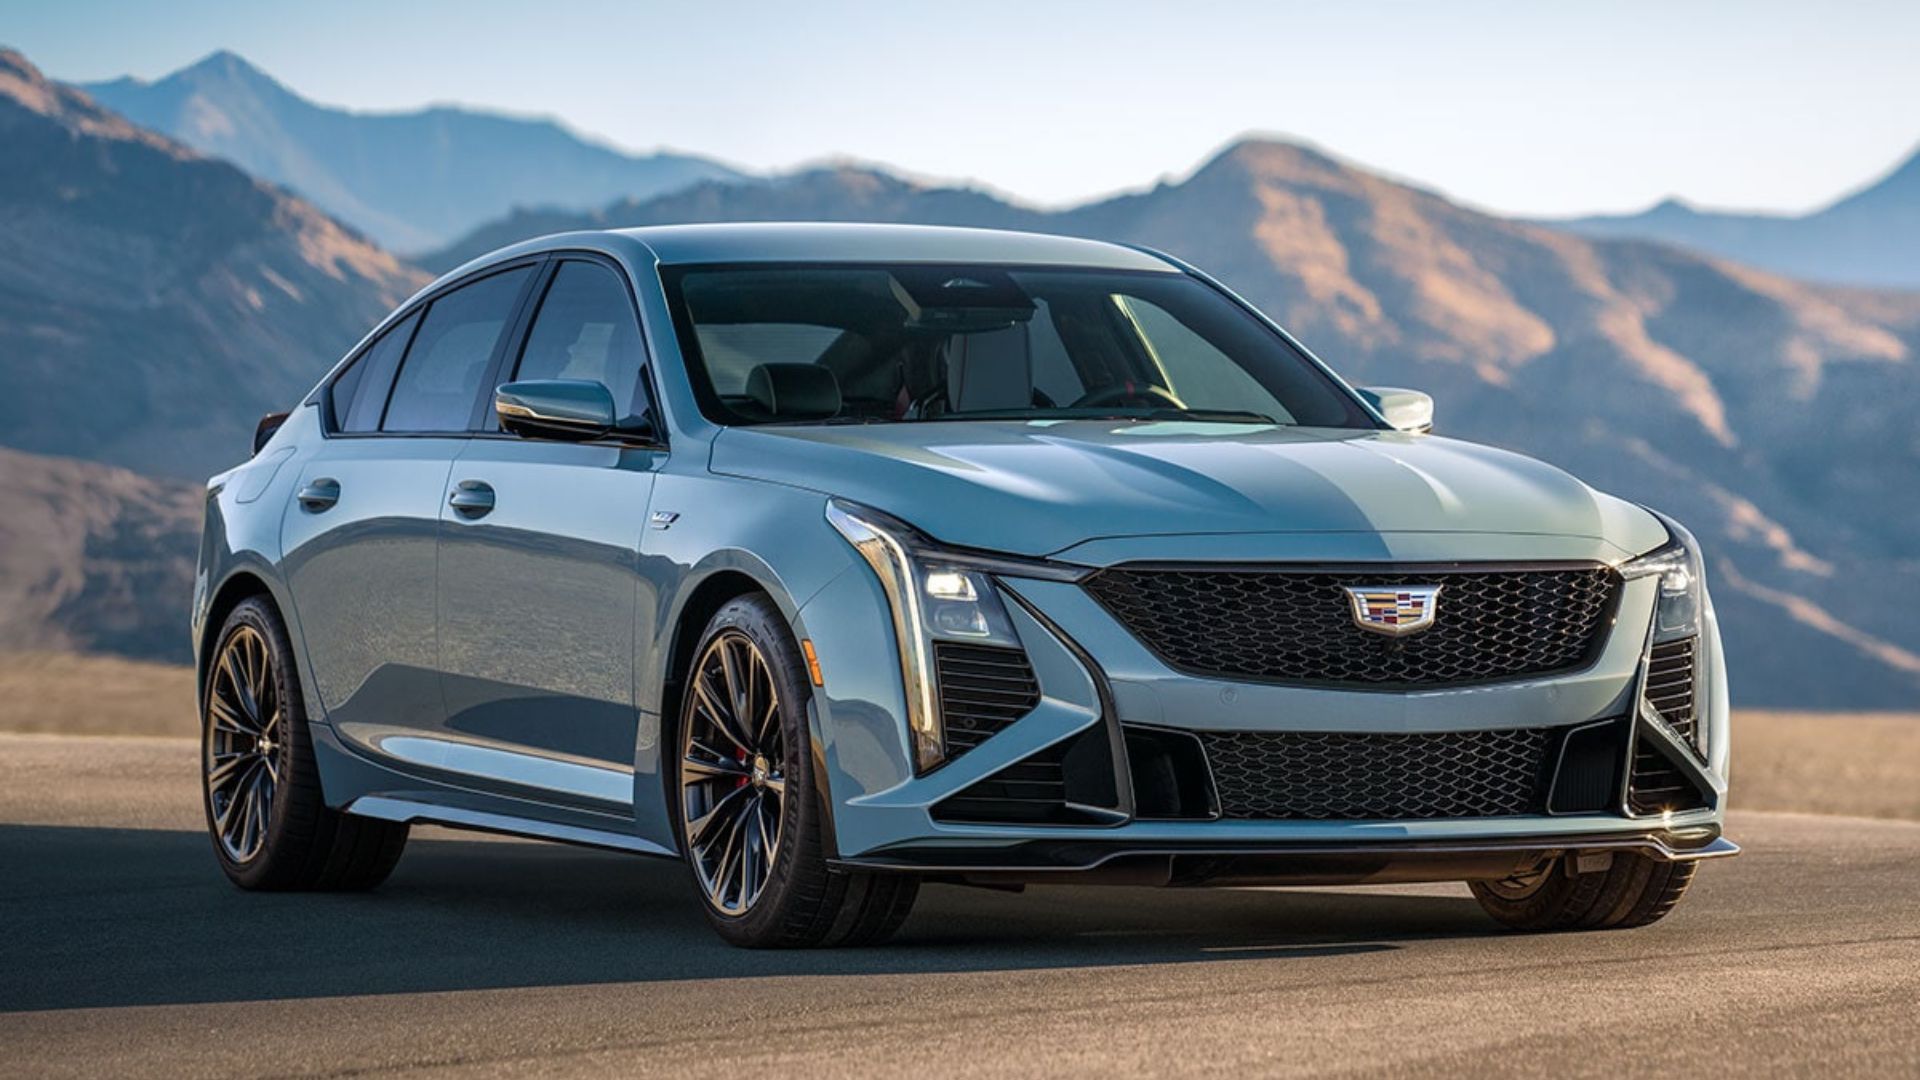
<point x="114" y="917"/>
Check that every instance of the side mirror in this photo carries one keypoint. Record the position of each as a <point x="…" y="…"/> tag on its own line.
<point x="267" y="428"/>
<point x="1403" y="410"/>
<point x="573" y="410"/>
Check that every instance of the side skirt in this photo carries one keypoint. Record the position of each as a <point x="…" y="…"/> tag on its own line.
<point x="391" y="809"/>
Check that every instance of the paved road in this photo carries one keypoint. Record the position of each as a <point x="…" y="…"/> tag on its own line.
<point x="123" y="952"/>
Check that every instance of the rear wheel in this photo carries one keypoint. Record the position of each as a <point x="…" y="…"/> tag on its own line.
<point x="751" y="818"/>
<point x="259" y="782"/>
<point x="1633" y="891"/>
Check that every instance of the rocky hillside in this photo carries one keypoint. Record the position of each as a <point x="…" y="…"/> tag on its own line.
<point x="410" y="180"/>
<point x="1769" y="414"/>
<point x="153" y="302"/>
<point x="95" y="558"/>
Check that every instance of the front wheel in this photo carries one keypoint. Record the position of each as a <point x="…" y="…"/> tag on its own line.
<point x="1633" y="890"/>
<point x="749" y="812"/>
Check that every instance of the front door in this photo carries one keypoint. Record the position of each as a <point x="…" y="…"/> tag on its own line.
<point x="361" y="537"/>
<point x="538" y="581"/>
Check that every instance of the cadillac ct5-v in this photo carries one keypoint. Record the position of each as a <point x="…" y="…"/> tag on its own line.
<point x="836" y="559"/>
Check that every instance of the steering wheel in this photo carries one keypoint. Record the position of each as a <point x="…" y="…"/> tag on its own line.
<point x="1124" y="393"/>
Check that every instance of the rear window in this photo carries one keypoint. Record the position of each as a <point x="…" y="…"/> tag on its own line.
<point x="359" y="395"/>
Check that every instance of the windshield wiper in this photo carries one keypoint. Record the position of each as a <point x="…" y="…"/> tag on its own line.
<point x="830" y="421"/>
<point x="1225" y="416"/>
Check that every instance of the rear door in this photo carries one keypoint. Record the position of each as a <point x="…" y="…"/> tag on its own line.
<point x="362" y="533"/>
<point x="538" y="582"/>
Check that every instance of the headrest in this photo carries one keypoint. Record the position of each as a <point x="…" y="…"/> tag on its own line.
<point x="795" y="391"/>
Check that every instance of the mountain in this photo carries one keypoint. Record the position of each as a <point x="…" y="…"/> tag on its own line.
<point x="153" y="302"/>
<point x="409" y="180"/>
<point x="1770" y="415"/>
<point x="1869" y="238"/>
<point x="95" y="558"/>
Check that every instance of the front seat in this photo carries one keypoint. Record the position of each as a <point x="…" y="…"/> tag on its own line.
<point x="794" y="391"/>
<point x="990" y="371"/>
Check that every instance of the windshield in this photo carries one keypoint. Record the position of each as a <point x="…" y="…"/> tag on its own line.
<point x="912" y="343"/>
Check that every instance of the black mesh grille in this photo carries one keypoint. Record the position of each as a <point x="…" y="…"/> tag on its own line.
<point x="982" y="690"/>
<point x="1355" y="777"/>
<point x="1670" y="686"/>
<point x="1286" y="626"/>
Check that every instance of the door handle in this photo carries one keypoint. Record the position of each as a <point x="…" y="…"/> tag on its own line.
<point x="471" y="498"/>
<point x="319" y="495"/>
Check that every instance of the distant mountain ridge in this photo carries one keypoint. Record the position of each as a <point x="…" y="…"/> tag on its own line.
<point x="1870" y="238"/>
<point x="409" y="180"/>
<point x="1706" y="389"/>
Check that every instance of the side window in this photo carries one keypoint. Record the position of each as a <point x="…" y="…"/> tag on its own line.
<point x="585" y="329"/>
<point x="360" y="393"/>
<point x="441" y="378"/>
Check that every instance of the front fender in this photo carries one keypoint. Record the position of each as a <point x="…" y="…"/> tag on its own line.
<point x="725" y="534"/>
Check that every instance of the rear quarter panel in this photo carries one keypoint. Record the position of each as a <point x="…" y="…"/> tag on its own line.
<point x="240" y="536"/>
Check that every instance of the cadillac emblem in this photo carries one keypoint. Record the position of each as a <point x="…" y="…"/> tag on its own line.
<point x="1393" y="609"/>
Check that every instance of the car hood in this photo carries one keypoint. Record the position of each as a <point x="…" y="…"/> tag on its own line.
<point x="1039" y="487"/>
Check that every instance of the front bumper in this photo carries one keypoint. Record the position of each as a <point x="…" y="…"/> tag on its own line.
<point x="1099" y="683"/>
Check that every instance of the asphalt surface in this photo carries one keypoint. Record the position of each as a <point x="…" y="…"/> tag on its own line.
<point x="124" y="952"/>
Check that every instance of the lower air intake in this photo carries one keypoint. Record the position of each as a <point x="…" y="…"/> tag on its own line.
<point x="1327" y="776"/>
<point x="1658" y="786"/>
<point x="1068" y="783"/>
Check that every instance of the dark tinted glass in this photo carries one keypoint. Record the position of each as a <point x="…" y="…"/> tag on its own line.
<point x="440" y="380"/>
<point x="904" y="343"/>
<point x="585" y="329"/>
<point x="360" y="393"/>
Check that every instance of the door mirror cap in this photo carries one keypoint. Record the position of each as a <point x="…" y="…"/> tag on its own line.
<point x="573" y="410"/>
<point x="266" y="429"/>
<point x="1403" y="410"/>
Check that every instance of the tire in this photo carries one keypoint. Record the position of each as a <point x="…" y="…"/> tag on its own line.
<point x="259" y="784"/>
<point x="1634" y="891"/>
<point x="748" y="810"/>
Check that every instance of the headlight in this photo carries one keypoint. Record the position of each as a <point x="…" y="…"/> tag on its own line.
<point x="935" y="595"/>
<point x="1681" y="581"/>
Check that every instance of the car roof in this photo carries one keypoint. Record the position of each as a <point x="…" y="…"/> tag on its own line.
<point x="849" y="242"/>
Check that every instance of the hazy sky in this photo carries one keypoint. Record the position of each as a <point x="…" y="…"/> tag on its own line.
<point x="1534" y="108"/>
